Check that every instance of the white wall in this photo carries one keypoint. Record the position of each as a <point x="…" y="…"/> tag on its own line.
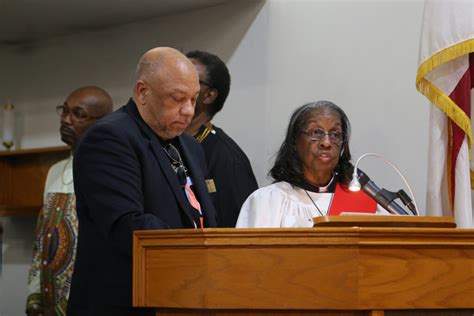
<point x="360" y="54"/>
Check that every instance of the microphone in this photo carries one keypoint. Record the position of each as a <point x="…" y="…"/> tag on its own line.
<point x="406" y="200"/>
<point x="383" y="197"/>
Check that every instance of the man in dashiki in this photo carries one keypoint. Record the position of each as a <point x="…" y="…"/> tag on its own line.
<point x="57" y="225"/>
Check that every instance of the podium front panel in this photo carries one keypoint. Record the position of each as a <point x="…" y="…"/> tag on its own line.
<point x="305" y="269"/>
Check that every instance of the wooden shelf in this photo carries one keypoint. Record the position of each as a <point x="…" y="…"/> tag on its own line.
<point x="19" y="210"/>
<point x="34" y="151"/>
<point x="23" y="174"/>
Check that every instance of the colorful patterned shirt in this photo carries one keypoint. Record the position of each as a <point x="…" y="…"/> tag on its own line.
<point x="55" y="244"/>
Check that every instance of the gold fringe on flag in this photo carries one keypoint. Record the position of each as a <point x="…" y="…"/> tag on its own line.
<point x="438" y="97"/>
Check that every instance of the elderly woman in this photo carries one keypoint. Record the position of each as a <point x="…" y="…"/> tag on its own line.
<point x="311" y="172"/>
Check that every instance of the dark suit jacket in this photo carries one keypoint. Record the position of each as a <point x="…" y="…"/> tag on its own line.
<point x="232" y="174"/>
<point x="124" y="182"/>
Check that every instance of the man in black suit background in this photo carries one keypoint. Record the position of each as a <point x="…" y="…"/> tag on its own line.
<point x="230" y="179"/>
<point x="134" y="170"/>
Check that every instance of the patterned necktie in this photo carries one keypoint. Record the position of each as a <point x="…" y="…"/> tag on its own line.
<point x="185" y="181"/>
<point x="193" y="201"/>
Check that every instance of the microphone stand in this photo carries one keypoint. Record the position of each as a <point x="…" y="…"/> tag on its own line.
<point x="386" y="197"/>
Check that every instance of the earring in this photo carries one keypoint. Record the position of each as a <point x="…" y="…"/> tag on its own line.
<point x="342" y="151"/>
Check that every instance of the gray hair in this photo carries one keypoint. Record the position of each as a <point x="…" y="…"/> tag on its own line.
<point x="288" y="166"/>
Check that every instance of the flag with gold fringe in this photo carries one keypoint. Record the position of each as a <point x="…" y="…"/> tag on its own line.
<point x="446" y="77"/>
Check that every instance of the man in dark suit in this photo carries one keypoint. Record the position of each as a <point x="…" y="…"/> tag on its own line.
<point x="230" y="179"/>
<point x="134" y="170"/>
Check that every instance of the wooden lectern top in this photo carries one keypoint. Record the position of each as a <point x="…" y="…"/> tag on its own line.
<point x="384" y="221"/>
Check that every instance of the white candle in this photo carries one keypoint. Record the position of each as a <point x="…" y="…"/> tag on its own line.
<point x="8" y="125"/>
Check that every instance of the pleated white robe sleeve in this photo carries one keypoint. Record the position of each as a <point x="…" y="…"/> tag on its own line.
<point x="282" y="205"/>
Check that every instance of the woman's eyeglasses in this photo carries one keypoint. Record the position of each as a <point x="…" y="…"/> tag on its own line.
<point x="176" y="163"/>
<point x="316" y="135"/>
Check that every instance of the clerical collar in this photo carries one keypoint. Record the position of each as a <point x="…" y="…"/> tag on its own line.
<point x="329" y="188"/>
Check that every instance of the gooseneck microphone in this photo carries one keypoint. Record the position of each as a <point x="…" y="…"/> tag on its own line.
<point x="383" y="197"/>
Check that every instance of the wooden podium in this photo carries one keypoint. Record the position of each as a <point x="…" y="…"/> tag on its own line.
<point x="330" y="271"/>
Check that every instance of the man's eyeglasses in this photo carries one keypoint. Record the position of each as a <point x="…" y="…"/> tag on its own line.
<point x="76" y="114"/>
<point x="206" y="83"/>
<point x="316" y="135"/>
<point x="176" y="163"/>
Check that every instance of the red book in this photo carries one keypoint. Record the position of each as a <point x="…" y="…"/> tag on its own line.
<point x="354" y="202"/>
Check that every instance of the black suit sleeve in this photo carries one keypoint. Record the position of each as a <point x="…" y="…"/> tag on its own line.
<point x="107" y="181"/>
